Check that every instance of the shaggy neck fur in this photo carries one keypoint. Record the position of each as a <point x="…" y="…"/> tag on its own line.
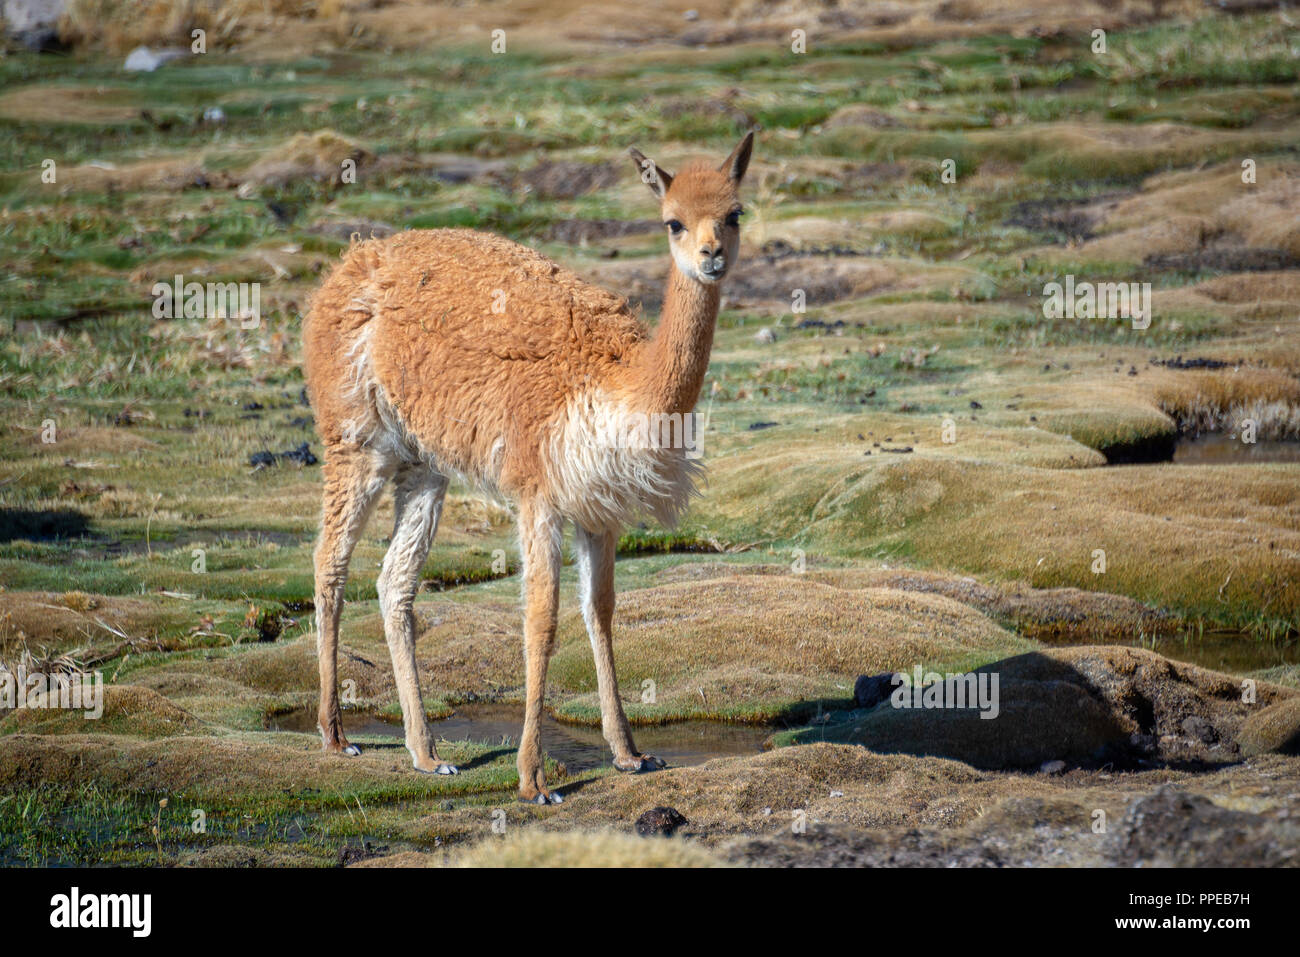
<point x="670" y="369"/>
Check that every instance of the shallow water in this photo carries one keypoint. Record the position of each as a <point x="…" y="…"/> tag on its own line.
<point x="1216" y="448"/>
<point x="1233" y="652"/>
<point x="580" y="748"/>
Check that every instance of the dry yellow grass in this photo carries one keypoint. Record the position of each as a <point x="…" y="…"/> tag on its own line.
<point x="280" y="26"/>
<point x="1188" y="210"/>
<point x="1226" y="399"/>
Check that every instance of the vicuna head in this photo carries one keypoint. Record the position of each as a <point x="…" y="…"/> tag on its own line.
<point x="701" y="210"/>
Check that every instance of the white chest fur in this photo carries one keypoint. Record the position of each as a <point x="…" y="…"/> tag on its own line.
<point x="611" y="465"/>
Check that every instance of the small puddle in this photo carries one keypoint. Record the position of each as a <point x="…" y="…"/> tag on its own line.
<point x="1217" y="448"/>
<point x="579" y="747"/>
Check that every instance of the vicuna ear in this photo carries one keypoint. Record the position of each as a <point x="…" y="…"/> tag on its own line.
<point x="657" y="179"/>
<point x="736" y="164"/>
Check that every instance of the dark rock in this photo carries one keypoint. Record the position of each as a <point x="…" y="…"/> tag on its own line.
<point x="663" y="821"/>
<point x="1172" y="828"/>
<point x="1224" y="258"/>
<point x="301" y="455"/>
<point x="1194" y="726"/>
<point x="1200" y="362"/>
<point x="820" y="324"/>
<point x="43" y="39"/>
<point x="870" y="690"/>
<point x="351" y="853"/>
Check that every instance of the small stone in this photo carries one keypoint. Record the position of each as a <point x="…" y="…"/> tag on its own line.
<point x="837" y="794"/>
<point x="662" y="821"/>
<point x="1052" y="767"/>
<point x="144" y="60"/>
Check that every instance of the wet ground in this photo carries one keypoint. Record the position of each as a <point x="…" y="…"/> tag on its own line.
<point x="1221" y="449"/>
<point x="1234" y="652"/>
<point x="579" y="748"/>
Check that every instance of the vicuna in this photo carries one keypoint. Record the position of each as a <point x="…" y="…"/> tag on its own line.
<point x="415" y="377"/>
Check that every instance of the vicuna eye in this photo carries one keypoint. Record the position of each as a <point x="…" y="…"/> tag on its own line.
<point x="674" y="226"/>
<point x="733" y="217"/>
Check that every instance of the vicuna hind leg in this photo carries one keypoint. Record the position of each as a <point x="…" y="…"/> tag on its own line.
<point x="540" y="532"/>
<point x="596" y="584"/>
<point x="417" y="505"/>
<point x="353" y="480"/>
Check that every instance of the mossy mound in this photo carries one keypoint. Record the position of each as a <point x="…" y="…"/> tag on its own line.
<point x="1276" y="728"/>
<point x="746" y="646"/>
<point x="127" y="709"/>
<point x="1075" y="705"/>
<point x="318" y="156"/>
<point x="1163" y="530"/>
<point x="254" y="768"/>
<point x="1040" y="612"/>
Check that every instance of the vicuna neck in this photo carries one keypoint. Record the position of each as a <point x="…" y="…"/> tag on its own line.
<point x="672" y="366"/>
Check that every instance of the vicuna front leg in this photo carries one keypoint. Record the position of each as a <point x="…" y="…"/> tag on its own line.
<point x="540" y="532"/>
<point x="353" y="480"/>
<point x="417" y="505"/>
<point x="596" y="583"/>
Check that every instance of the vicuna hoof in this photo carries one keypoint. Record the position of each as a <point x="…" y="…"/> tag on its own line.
<point x="647" y="762"/>
<point x="443" y="768"/>
<point x="336" y="747"/>
<point x="544" y="797"/>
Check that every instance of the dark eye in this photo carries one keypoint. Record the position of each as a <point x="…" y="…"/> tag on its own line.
<point x="733" y="217"/>
<point x="674" y="226"/>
